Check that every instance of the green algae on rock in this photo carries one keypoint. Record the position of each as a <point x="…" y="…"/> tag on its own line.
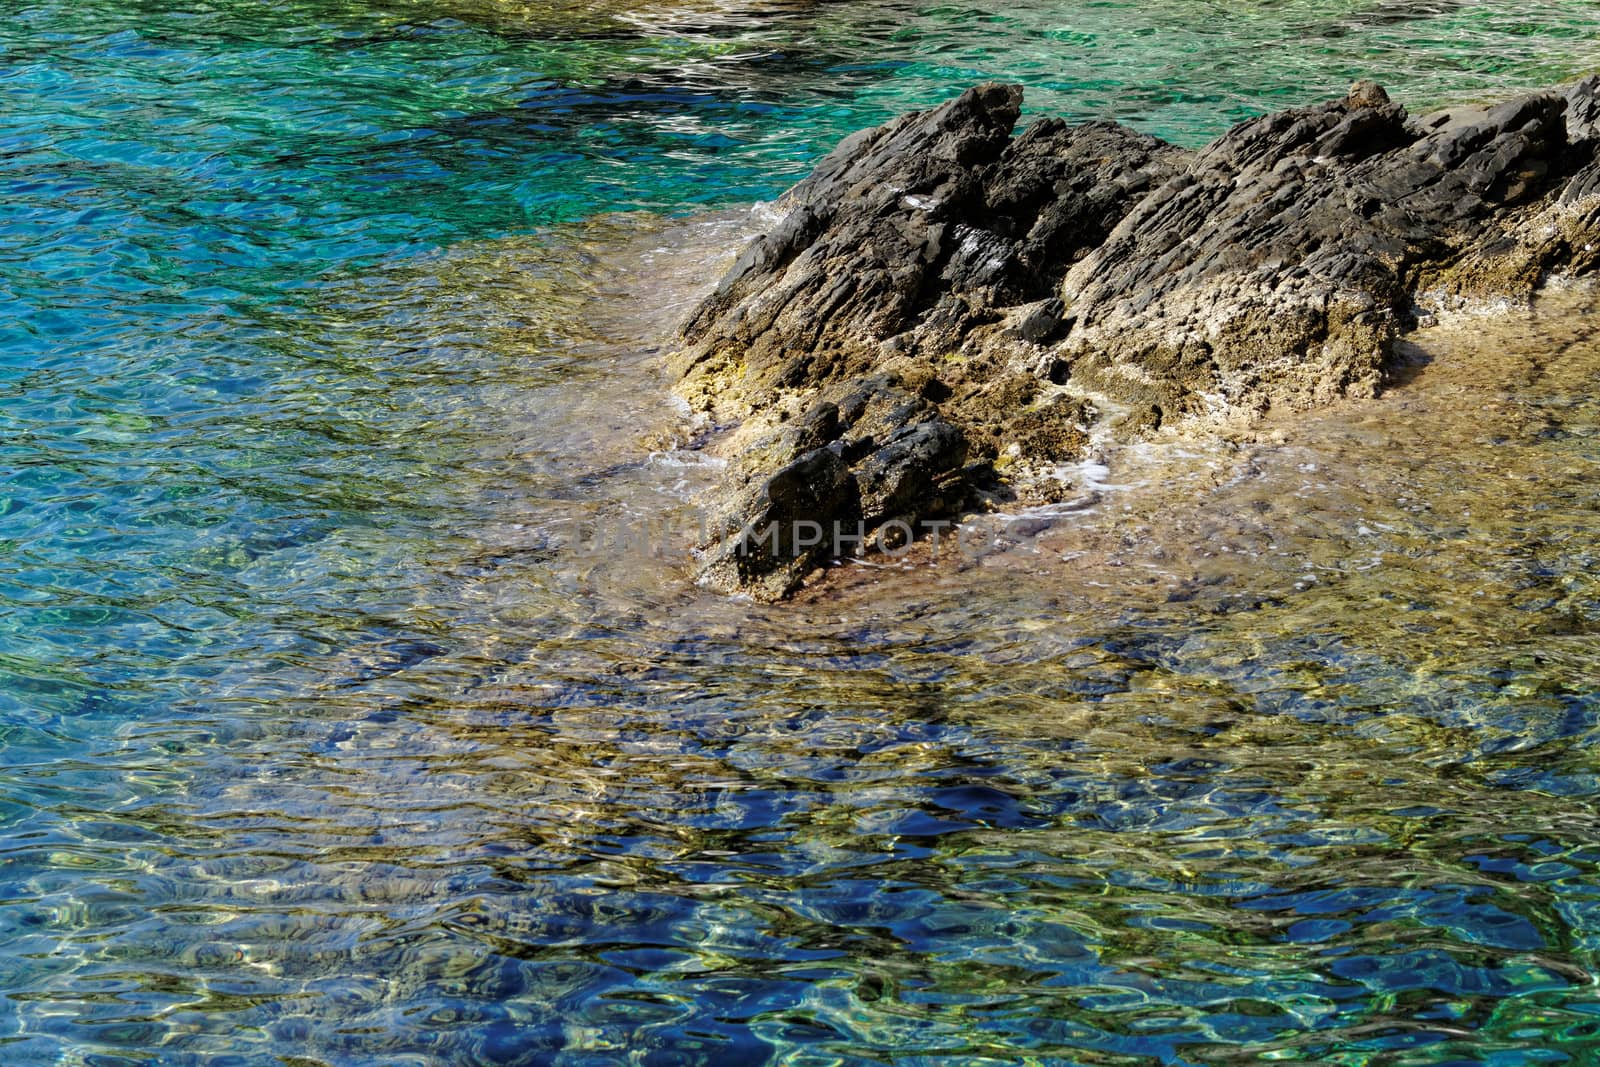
<point x="946" y="313"/>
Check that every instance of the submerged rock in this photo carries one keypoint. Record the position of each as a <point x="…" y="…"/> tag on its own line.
<point x="947" y="313"/>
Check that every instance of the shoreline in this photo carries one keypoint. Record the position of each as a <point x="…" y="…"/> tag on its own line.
<point x="1174" y="480"/>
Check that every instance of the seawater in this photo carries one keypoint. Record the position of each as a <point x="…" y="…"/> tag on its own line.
<point x="320" y="320"/>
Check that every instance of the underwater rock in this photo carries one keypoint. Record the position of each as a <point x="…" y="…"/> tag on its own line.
<point x="947" y="313"/>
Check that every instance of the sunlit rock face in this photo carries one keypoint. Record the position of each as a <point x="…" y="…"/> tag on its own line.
<point x="948" y="312"/>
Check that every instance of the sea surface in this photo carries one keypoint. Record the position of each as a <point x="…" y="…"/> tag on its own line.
<point x="324" y="741"/>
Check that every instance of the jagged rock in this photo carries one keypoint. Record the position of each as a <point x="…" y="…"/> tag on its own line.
<point x="786" y="527"/>
<point x="1280" y="267"/>
<point x="1583" y="110"/>
<point x="945" y="310"/>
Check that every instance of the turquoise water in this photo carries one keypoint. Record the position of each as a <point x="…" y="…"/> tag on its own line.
<point x="318" y="320"/>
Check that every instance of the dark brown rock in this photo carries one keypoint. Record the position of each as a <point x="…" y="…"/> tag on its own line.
<point x="942" y="300"/>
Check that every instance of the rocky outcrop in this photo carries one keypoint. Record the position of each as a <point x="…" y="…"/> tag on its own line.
<point x="948" y="313"/>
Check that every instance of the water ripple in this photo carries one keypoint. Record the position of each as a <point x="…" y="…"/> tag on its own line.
<point x="321" y="321"/>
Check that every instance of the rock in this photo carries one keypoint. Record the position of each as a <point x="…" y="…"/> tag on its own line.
<point x="900" y="477"/>
<point x="787" y="527"/>
<point x="942" y="300"/>
<point x="1281" y="266"/>
<point x="1583" y="110"/>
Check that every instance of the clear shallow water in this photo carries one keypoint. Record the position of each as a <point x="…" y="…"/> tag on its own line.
<point x="318" y="323"/>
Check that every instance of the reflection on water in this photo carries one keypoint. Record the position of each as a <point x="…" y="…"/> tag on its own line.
<point x="1283" y="746"/>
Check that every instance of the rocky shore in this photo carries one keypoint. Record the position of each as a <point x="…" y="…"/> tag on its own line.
<point x="950" y="315"/>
